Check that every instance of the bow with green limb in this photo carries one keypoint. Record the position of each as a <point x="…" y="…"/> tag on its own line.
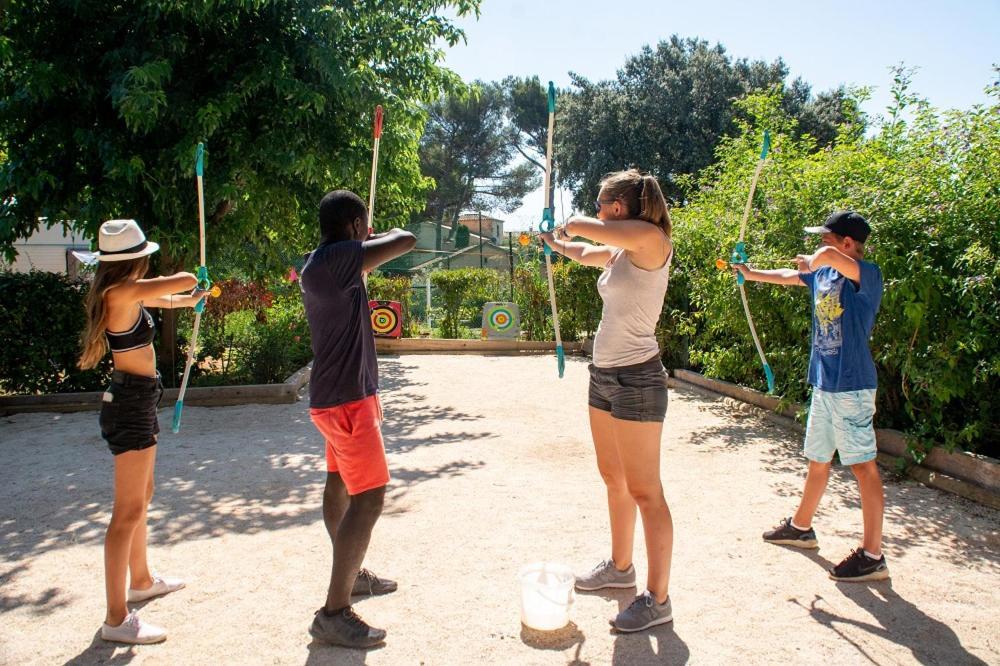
<point x="204" y="283"/>
<point x="739" y="256"/>
<point x="548" y="225"/>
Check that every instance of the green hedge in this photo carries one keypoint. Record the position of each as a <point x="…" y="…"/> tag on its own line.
<point x="41" y="319"/>
<point x="931" y="189"/>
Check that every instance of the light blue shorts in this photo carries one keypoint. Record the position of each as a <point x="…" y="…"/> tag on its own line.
<point x="841" y="422"/>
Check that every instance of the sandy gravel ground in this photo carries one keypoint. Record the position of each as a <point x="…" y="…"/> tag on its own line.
<point x="492" y="469"/>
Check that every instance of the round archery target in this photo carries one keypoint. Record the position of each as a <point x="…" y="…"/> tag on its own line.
<point x="501" y="320"/>
<point x="386" y="320"/>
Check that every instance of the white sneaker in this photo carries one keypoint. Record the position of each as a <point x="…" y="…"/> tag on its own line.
<point x="133" y="631"/>
<point x="160" y="587"/>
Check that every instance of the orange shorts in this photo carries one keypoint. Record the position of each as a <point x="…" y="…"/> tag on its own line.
<point x="354" y="446"/>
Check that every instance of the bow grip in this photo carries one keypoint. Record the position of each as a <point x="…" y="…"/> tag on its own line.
<point x="548" y="225"/>
<point x="205" y="285"/>
<point x="739" y="256"/>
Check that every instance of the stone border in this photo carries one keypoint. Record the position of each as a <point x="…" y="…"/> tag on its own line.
<point x="456" y="346"/>
<point x="198" y="396"/>
<point x="972" y="476"/>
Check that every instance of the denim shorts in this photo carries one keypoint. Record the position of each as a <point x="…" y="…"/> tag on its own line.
<point x="630" y="392"/>
<point x="841" y="422"/>
<point x="128" y="412"/>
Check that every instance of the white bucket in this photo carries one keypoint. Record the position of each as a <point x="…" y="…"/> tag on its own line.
<point x="546" y="595"/>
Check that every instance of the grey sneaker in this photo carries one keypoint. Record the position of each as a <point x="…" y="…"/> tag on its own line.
<point x="643" y="613"/>
<point x="368" y="584"/>
<point x="786" y="535"/>
<point x="606" y="574"/>
<point x="345" y="628"/>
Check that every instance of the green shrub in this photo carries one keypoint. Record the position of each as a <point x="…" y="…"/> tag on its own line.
<point x="577" y="299"/>
<point x="462" y="292"/>
<point x="531" y="293"/>
<point x="41" y="319"/>
<point x="262" y="345"/>
<point x="929" y="187"/>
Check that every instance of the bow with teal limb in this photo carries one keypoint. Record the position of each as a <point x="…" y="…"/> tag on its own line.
<point x="739" y="256"/>
<point x="204" y="283"/>
<point x="548" y="225"/>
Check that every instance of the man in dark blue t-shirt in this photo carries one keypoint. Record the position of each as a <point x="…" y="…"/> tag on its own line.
<point x="344" y="404"/>
<point x="846" y="292"/>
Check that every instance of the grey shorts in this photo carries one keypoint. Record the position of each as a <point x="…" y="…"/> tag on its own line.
<point x="630" y="392"/>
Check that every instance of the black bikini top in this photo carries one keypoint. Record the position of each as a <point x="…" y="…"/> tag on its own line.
<point x="140" y="335"/>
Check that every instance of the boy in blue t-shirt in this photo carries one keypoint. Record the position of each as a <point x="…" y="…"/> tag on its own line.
<point x="846" y="292"/>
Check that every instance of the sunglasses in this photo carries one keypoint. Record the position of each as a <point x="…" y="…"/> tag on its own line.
<point x="598" y="203"/>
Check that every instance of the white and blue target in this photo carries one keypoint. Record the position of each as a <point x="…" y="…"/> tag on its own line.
<point x="501" y="320"/>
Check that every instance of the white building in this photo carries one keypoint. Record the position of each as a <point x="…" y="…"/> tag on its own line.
<point x="48" y="249"/>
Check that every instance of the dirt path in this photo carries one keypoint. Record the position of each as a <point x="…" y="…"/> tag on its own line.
<point x="492" y="469"/>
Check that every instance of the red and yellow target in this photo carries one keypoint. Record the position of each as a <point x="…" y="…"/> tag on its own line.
<point x="387" y="318"/>
<point x="501" y="320"/>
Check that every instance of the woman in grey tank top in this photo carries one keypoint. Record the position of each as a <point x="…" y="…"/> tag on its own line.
<point x="628" y="384"/>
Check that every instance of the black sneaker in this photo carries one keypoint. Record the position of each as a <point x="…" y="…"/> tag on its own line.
<point x="345" y="628"/>
<point x="368" y="584"/>
<point x="786" y="535"/>
<point x="858" y="567"/>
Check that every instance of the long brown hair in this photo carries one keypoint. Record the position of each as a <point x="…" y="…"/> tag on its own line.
<point x="641" y="195"/>
<point x="109" y="274"/>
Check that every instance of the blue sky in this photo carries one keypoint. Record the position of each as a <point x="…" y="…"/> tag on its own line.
<point x="953" y="44"/>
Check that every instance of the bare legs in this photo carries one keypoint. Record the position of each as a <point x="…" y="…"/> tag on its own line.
<point x="872" y="500"/>
<point x="125" y="541"/>
<point x="628" y="457"/>
<point x="349" y="521"/>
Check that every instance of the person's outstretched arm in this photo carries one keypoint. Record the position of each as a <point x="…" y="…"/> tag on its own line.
<point x="786" y="276"/>
<point x="383" y="247"/>
<point x="584" y="253"/>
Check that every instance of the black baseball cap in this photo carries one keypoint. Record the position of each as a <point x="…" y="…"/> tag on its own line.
<point x="844" y="223"/>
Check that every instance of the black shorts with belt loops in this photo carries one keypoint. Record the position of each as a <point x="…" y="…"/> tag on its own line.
<point x="128" y="412"/>
<point x="630" y="392"/>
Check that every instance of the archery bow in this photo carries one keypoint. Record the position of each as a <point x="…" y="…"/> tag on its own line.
<point x="204" y="283"/>
<point x="548" y="225"/>
<point x="739" y="256"/>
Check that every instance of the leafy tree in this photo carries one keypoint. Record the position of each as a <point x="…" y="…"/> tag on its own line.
<point x="929" y="187"/>
<point x="528" y="114"/>
<point x="667" y="110"/>
<point x="467" y="148"/>
<point x="102" y="105"/>
<point x="527" y="109"/>
<point x="462" y="237"/>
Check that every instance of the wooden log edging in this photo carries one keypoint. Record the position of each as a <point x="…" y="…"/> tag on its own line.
<point x="457" y="346"/>
<point x="199" y="396"/>
<point x="970" y="475"/>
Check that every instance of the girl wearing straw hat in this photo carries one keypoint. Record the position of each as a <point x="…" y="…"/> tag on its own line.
<point x="117" y="318"/>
